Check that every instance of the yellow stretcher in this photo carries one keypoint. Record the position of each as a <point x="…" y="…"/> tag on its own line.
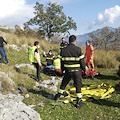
<point x="101" y="91"/>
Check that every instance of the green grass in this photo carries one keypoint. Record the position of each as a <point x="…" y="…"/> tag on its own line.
<point x="106" y="109"/>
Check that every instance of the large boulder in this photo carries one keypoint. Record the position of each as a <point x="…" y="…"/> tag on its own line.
<point x="4" y="78"/>
<point x="50" y="84"/>
<point x="12" y="108"/>
<point x="25" y="65"/>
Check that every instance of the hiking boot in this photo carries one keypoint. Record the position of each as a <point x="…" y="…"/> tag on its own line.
<point x="79" y="103"/>
<point x="57" y="96"/>
<point x="65" y="94"/>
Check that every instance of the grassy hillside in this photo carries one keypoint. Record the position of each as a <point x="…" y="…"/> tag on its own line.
<point x="106" y="62"/>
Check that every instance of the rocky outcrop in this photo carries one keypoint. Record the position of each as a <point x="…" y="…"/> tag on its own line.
<point x="12" y="108"/>
<point x="50" y="84"/>
<point x="4" y="76"/>
<point x="11" y="105"/>
<point x="25" y="65"/>
<point x="16" y="47"/>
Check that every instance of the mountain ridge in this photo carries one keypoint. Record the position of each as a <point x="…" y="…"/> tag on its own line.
<point x="81" y="39"/>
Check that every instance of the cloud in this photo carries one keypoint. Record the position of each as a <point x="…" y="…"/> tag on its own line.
<point x="57" y="1"/>
<point x="60" y="1"/>
<point x="108" y="16"/>
<point x="14" y="12"/>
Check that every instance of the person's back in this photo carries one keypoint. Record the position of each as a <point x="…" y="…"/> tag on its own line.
<point x="57" y="63"/>
<point x="72" y="62"/>
<point x="71" y="53"/>
<point x="1" y="42"/>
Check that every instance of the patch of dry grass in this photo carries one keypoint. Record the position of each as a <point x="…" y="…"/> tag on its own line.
<point x="105" y="59"/>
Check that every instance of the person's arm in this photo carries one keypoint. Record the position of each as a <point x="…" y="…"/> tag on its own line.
<point x="44" y="54"/>
<point x="4" y="40"/>
<point x="53" y="57"/>
<point x="37" y="59"/>
<point x="92" y="51"/>
<point x="82" y="61"/>
<point x="62" y="62"/>
<point x="85" y="53"/>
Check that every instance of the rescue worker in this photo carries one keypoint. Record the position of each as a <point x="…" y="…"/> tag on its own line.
<point x="89" y="55"/>
<point x="2" y="50"/>
<point x="49" y="58"/>
<point x="72" y="61"/>
<point x="57" y="65"/>
<point x="63" y="43"/>
<point x="34" y="57"/>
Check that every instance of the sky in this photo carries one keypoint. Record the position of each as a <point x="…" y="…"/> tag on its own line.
<point x="89" y="15"/>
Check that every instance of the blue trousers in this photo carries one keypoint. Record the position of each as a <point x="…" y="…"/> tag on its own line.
<point x="3" y="54"/>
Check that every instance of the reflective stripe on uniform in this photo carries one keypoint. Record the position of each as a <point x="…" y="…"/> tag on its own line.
<point x="31" y="55"/>
<point x="82" y="56"/>
<point x="61" y="91"/>
<point x="61" y="47"/>
<point x="49" y="58"/>
<point x="79" y="95"/>
<point x="74" y="65"/>
<point x="72" y="58"/>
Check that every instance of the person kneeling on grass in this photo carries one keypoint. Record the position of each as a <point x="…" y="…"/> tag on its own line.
<point x="57" y="65"/>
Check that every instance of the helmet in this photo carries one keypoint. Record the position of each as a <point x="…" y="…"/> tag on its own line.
<point x="58" y="56"/>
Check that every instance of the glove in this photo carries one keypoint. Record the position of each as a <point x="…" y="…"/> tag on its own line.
<point x="44" y="53"/>
<point x="90" y="58"/>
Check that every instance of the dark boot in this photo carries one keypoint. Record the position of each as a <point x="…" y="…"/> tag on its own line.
<point x="65" y="94"/>
<point x="79" y="103"/>
<point x="57" y="96"/>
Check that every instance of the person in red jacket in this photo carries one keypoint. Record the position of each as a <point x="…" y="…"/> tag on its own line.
<point x="89" y="55"/>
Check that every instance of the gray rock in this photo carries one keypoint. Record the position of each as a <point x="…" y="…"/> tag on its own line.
<point x="50" y="84"/>
<point x="27" y="96"/>
<point x="13" y="46"/>
<point x="6" y="77"/>
<point x="25" y="65"/>
<point x="41" y="104"/>
<point x="12" y="108"/>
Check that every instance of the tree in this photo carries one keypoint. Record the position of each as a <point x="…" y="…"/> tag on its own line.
<point x="102" y="39"/>
<point x="30" y="32"/>
<point x="51" y="20"/>
<point x="115" y="43"/>
<point x="18" y="30"/>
